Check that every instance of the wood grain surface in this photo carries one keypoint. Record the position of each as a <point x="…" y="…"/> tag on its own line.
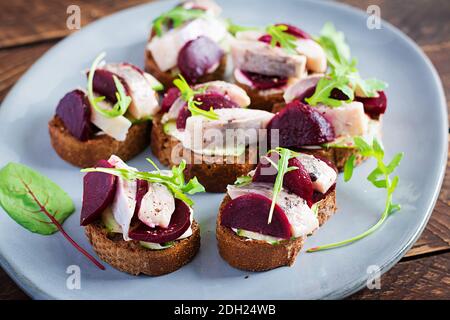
<point x="29" y="28"/>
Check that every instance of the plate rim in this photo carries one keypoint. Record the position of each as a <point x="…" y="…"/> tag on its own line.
<point x="33" y="291"/>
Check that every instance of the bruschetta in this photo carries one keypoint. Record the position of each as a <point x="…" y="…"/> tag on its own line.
<point x="139" y="222"/>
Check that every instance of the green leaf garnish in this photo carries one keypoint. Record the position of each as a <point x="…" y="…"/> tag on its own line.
<point x="174" y="181"/>
<point x="242" y="181"/>
<point x="234" y="28"/>
<point x="348" y="168"/>
<point x="343" y="74"/>
<point x="176" y="16"/>
<point x="188" y="95"/>
<point x="380" y="178"/>
<point x="123" y="101"/>
<point x="281" y="37"/>
<point x="36" y="203"/>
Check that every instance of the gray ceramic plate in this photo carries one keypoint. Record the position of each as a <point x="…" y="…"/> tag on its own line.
<point x="416" y="123"/>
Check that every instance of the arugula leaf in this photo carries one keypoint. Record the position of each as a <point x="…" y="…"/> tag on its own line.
<point x="348" y="168"/>
<point x="176" y="16"/>
<point x="281" y="37"/>
<point x="234" y="28"/>
<point x="174" y="181"/>
<point x="188" y="95"/>
<point x="123" y="101"/>
<point x="36" y="203"/>
<point x="242" y="181"/>
<point x="380" y="178"/>
<point x="333" y="42"/>
<point x="325" y="86"/>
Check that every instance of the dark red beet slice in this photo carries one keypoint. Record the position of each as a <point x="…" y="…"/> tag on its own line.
<point x="208" y="100"/>
<point x="251" y="212"/>
<point x="141" y="190"/>
<point x="179" y="223"/>
<point x="197" y="57"/>
<point x="292" y="30"/>
<point x="374" y="107"/>
<point x="104" y="85"/>
<point x="263" y="82"/>
<point x="169" y="98"/>
<point x="98" y="193"/>
<point x="296" y="181"/>
<point x="300" y="125"/>
<point x="75" y="112"/>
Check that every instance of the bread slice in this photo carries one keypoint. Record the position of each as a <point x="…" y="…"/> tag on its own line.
<point x="166" y="78"/>
<point x="87" y="153"/>
<point x="131" y="257"/>
<point x="214" y="175"/>
<point x="257" y="255"/>
<point x="262" y="100"/>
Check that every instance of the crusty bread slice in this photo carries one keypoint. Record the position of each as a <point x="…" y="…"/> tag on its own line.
<point x="131" y="257"/>
<point x="262" y="100"/>
<point x="213" y="175"/>
<point x="166" y="78"/>
<point x="257" y="255"/>
<point x="87" y="153"/>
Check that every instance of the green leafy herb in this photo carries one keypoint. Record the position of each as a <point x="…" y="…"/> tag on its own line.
<point x="234" y="28"/>
<point x="188" y="95"/>
<point x="343" y="74"/>
<point x="380" y="178"/>
<point x="348" y="168"/>
<point x="176" y="16"/>
<point x="123" y="101"/>
<point x="242" y="181"/>
<point x="36" y="203"/>
<point x="174" y="181"/>
<point x="281" y="37"/>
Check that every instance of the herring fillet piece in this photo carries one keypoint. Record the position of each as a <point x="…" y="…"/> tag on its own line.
<point x="302" y="219"/>
<point x="124" y="202"/>
<point x="258" y="57"/>
<point x="157" y="206"/>
<point x="322" y="175"/>
<point x="316" y="59"/>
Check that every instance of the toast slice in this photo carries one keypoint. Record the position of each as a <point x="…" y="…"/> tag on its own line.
<point x="213" y="175"/>
<point x="85" y="154"/>
<point x="257" y="255"/>
<point x="131" y="257"/>
<point x="166" y="78"/>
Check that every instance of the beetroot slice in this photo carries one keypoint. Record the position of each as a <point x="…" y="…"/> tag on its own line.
<point x="75" y="112"/>
<point x="197" y="57"/>
<point x="208" y="100"/>
<point x="263" y="82"/>
<point x="141" y="190"/>
<point x="374" y="107"/>
<point x="169" y="98"/>
<point x="98" y="193"/>
<point x="103" y="84"/>
<point x="251" y="212"/>
<point x="296" y="181"/>
<point x="300" y="125"/>
<point x="292" y="30"/>
<point x="179" y="223"/>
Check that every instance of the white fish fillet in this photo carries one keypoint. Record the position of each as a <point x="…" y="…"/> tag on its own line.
<point x="157" y="206"/>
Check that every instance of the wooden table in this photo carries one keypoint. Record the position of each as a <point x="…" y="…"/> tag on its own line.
<point x="30" y="28"/>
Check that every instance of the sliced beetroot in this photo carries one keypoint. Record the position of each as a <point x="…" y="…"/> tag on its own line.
<point x="169" y="98"/>
<point x="292" y="30"/>
<point x="208" y="100"/>
<point x="75" y="112"/>
<point x="251" y="212"/>
<point x="141" y="190"/>
<point x="179" y="223"/>
<point x="300" y="125"/>
<point x="296" y="181"/>
<point x="263" y="82"/>
<point x="98" y="193"/>
<point x="103" y="84"/>
<point x="197" y="57"/>
<point x="374" y="107"/>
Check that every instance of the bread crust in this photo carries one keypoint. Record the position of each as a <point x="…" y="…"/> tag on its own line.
<point x="131" y="257"/>
<point x="166" y="78"/>
<point x="85" y="154"/>
<point x="261" y="101"/>
<point x="212" y="175"/>
<point x="257" y="255"/>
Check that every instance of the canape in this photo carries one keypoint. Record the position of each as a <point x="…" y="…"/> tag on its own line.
<point x="190" y="39"/>
<point x="209" y="126"/>
<point x="113" y="116"/>
<point x="140" y="222"/>
<point x="266" y="61"/>
<point x="266" y="216"/>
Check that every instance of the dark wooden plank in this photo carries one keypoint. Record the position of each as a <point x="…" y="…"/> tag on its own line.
<point x="426" y="278"/>
<point x="25" y="22"/>
<point x="9" y="290"/>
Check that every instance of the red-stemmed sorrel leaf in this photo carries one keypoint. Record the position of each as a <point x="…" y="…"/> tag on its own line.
<point x="36" y="203"/>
